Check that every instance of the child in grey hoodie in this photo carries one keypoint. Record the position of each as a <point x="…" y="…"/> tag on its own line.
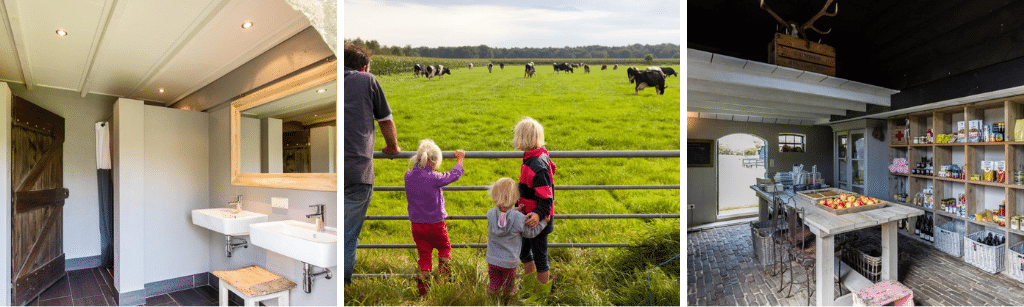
<point x="506" y="230"/>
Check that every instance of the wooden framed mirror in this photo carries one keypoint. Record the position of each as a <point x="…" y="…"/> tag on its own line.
<point x="266" y="133"/>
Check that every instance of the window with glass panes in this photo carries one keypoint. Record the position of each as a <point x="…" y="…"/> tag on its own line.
<point x="791" y="142"/>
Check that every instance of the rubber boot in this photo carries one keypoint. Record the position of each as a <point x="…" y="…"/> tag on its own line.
<point x="422" y="287"/>
<point x="443" y="268"/>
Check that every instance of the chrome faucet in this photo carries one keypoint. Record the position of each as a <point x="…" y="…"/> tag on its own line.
<point x="319" y="214"/>
<point x="237" y="204"/>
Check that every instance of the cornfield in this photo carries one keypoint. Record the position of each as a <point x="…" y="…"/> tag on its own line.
<point x="388" y="65"/>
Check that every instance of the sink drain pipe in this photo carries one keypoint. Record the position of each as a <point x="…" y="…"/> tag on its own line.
<point x="308" y="276"/>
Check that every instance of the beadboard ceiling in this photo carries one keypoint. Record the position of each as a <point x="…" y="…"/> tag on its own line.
<point x="134" y="48"/>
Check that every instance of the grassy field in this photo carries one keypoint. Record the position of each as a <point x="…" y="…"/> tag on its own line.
<point x="476" y="111"/>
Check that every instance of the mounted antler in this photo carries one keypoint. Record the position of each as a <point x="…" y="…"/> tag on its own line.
<point x="810" y="23"/>
<point x="795" y="30"/>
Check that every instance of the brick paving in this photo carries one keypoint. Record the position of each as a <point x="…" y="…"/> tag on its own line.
<point x="722" y="270"/>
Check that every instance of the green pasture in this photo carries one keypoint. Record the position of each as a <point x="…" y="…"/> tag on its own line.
<point x="476" y="111"/>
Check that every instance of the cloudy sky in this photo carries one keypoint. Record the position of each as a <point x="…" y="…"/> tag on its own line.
<point x="525" y="23"/>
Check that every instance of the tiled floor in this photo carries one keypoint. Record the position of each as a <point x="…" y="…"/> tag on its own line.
<point x="723" y="271"/>
<point x="95" y="287"/>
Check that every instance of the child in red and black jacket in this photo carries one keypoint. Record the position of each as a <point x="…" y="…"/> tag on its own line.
<point x="536" y="195"/>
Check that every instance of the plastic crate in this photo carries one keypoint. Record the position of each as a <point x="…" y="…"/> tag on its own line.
<point x="990" y="259"/>
<point x="761" y="235"/>
<point x="949" y="238"/>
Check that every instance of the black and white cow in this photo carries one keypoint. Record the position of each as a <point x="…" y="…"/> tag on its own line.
<point x="418" y="70"/>
<point x="574" y="65"/>
<point x="586" y="68"/>
<point x="616" y="67"/>
<point x="529" y="70"/>
<point x="470" y="66"/>
<point x="490" y="66"/>
<point x="647" y="78"/>
<point x="604" y="67"/>
<point x="669" y="71"/>
<point x="437" y="70"/>
<point x="501" y="65"/>
<point x="562" y="67"/>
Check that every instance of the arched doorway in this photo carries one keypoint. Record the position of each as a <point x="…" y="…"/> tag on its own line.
<point x="742" y="158"/>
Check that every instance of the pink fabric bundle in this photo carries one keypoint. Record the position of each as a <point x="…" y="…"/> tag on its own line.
<point x="899" y="166"/>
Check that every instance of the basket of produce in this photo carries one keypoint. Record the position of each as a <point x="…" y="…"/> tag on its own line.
<point x="986" y="250"/>
<point x="847" y="203"/>
<point x="949" y="238"/>
<point x="761" y="235"/>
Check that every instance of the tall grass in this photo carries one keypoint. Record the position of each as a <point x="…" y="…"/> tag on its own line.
<point x="476" y="111"/>
<point x="388" y="65"/>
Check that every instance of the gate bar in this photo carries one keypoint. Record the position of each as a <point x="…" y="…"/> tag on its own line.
<point x="557" y="216"/>
<point x="553" y="154"/>
<point x="560" y="187"/>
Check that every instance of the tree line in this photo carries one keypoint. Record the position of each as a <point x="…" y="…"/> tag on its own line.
<point x="662" y="51"/>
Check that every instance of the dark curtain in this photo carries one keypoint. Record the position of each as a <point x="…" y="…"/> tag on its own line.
<point x="106" y="189"/>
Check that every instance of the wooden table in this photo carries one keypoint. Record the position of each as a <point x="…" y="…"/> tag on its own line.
<point x="826" y="225"/>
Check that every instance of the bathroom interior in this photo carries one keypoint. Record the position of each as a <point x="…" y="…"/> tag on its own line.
<point x="158" y="146"/>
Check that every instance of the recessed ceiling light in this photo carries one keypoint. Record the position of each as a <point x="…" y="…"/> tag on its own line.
<point x="161" y="90"/>
<point x="247" y="24"/>
<point x="62" y="32"/>
<point x="321" y="90"/>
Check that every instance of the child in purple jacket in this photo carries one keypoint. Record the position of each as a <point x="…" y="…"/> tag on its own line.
<point x="426" y="207"/>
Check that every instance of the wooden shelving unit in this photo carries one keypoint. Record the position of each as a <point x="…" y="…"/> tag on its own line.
<point x="980" y="195"/>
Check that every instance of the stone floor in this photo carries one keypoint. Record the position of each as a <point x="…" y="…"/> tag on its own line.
<point x="723" y="271"/>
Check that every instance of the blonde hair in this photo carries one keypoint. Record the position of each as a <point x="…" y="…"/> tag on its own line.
<point x="529" y="135"/>
<point x="427" y="155"/>
<point x="504" y="192"/>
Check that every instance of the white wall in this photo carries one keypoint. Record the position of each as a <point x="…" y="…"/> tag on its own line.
<point x="272" y="145"/>
<point x="5" y="181"/>
<point x="128" y="148"/>
<point x="176" y="182"/>
<point x="81" y="208"/>
<point x="322" y="149"/>
<point x="249" y="155"/>
<point x="325" y="292"/>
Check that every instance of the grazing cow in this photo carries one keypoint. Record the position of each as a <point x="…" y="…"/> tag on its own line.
<point x="501" y="65"/>
<point x="437" y="70"/>
<point x="586" y="69"/>
<point x="647" y="78"/>
<point x="574" y="65"/>
<point x="562" y="67"/>
<point x="529" y="70"/>
<point x="470" y="66"/>
<point x="604" y="67"/>
<point x="490" y="66"/>
<point x="615" y="67"/>
<point x="652" y="68"/>
<point x="669" y="71"/>
<point x="418" y="70"/>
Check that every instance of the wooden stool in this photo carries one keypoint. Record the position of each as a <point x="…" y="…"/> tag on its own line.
<point x="253" y="284"/>
<point x="882" y="293"/>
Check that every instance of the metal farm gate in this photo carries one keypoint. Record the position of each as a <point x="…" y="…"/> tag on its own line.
<point x="519" y="155"/>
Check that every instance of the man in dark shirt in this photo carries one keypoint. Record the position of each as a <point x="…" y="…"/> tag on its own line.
<point x="364" y="104"/>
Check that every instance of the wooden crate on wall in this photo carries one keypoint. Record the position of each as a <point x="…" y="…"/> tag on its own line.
<point x="802" y="54"/>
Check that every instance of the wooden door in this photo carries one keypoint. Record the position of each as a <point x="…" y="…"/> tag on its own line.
<point x="37" y="251"/>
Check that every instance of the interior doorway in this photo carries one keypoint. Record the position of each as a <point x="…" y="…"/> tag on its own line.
<point x="742" y="158"/>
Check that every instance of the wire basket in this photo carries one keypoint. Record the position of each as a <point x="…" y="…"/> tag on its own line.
<point x="990" y="259"/>
<point x="949" y="238"/>
<point x="862" y="258"/>
<point x="761" y="234"/>
<point x="1016" y="269"/>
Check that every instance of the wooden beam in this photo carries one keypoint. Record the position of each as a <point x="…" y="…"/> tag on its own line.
<point x="692" y="95"/>
<point x="748" y="113"/>
<point x="28" y="200"/>
<point x="751" y="78"/>
<point x="714" y="105"/>
<point x="791" y="97"/>
<point x="97" y="41"/>
<point x="16" y="32"/>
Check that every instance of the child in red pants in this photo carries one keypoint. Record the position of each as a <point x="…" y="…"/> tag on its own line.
<point x="506" y="228"/>
<point x="426" y="207"/>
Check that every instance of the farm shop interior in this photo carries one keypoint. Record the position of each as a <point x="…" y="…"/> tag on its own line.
<point x="120" y="125"/>
<point x="913" y="115"/>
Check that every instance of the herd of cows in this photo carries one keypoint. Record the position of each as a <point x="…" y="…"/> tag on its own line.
<point x="653" y="76"/>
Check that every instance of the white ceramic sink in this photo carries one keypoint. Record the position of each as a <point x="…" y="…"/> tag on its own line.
<point x="227" y="221"/>
<point x="297" y="240"/>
